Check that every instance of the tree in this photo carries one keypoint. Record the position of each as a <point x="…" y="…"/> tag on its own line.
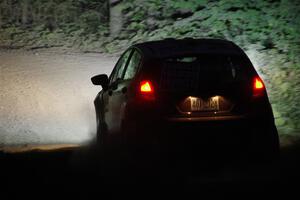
<point x="115" y="18"/>
<point x="1" y="15"/>
<point x="25" y="12"/>
<point x="50" y="18"/>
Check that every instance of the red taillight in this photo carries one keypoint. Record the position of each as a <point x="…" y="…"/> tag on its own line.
<point x="147" y="90"/>
<point x="258" y="84"/>
<point x="146" y="87"/>
<point x="258" y="87"/>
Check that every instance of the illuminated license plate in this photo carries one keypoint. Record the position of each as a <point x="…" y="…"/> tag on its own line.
<point x="211" y="104"/>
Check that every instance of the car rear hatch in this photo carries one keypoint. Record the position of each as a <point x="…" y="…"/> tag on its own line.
<point x="204" y="86"/>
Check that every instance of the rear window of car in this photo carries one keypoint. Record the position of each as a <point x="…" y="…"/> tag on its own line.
<point x="189" y="72"/>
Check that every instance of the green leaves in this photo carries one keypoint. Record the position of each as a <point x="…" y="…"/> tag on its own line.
<point x="89" y="22"/>
<point x="275" y="25"/>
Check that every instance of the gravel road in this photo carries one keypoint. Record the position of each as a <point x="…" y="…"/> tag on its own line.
<point x="46" y="97"/>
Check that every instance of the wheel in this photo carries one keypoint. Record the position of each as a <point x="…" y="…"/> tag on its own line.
<point x="130" y="138"/>
<point x="265" y="144"/>
<point x="101" y="136"/>
<point x="272" y="148"/>
<point x="109" y="147"/>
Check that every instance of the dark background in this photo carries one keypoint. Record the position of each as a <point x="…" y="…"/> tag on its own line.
<point x="267" y="30"/>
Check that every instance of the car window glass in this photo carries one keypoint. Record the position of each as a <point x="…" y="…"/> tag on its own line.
<point x="133" y="65"/>
<point x="120" y="66"/>
<point x="112" y="75"/>
<point x="189" y="73"/>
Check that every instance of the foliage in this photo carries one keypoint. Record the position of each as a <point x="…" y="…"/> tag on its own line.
<point x="274" y="24"/>
<point x="52" y="22"/>
<point x="268" y="30"/>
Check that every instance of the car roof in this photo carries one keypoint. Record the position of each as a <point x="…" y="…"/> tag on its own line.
<point x="171" y="47"/>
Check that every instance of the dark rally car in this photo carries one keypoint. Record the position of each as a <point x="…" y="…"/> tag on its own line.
<point x="188" y="94"/>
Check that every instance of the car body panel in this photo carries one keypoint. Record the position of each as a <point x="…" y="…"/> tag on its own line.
<point x="126" y="112"/>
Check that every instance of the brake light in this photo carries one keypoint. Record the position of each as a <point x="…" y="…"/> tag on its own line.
<point x="258" y="84"/>
<point x="147" y="90"/>
<point x="146" y="87"/>
<point x="258" y="87"/>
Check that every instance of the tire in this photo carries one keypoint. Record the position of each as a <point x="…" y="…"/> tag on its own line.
<point x="129" y="138"/>
<point x="272" y="153"/>
<point x="109" y="146"/>
<point x="125" y="134"/>
<point x="265" y="144"/>
<point x="101" y="137"/>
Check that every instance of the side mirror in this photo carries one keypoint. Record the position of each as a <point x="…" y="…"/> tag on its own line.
<point x="101" y="79"/>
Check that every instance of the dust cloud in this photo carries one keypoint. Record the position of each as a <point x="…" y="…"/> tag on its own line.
<point x="47" y="97"/>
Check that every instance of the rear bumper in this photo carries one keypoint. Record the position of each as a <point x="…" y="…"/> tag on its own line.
<point x="154" y="112"/>
<point x="206" y="119"/>
<point x="210" y="137"/>
<point x="198" y="132"/>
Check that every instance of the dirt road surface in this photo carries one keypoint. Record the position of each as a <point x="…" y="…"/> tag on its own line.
<point x="46" y="97"/>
